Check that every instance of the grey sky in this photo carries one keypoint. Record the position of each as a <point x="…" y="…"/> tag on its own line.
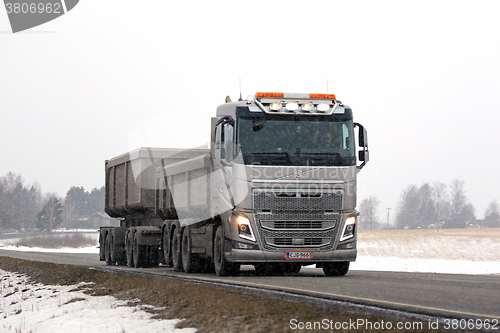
<point x="110" y="76"/>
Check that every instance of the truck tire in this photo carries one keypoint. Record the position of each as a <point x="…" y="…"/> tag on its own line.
<point x="221" y="265"/>
<point x="167" y="246"/>
<point x="108" y="250"/>
<point x="118" y="254"/>
<point x="139" y="253"/>
<point x="190" y="261"/>
<point x="102" y="246"/>
<point x="129" y="249"/>
<point x="176" y="250"/>
<point x="336" y="268"/>
<point x="152" y="257"/>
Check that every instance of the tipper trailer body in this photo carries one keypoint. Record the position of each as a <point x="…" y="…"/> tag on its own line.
<point x="276" y="189"/>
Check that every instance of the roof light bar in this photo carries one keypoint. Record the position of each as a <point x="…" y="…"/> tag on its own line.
<point x="269" y="94"/>
<point x="294" y="95"/>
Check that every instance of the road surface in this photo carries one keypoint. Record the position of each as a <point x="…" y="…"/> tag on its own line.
<point x="442" y="295"/>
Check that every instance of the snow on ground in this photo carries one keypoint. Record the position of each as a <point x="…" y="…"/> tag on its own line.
<point x="453" y="251"/>
<point x="44" y="308"/>
<point x="91" y="249"/>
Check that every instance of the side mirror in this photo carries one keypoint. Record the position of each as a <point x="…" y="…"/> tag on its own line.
<point x="363" y="154"/>
<point x="363" y="137"/>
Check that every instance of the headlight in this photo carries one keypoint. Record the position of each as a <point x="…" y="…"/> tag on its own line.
<point x="244" y="228"/>
<point x="349" y="228"/>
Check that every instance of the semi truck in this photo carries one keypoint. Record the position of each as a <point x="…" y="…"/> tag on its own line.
<point x="275" y="188"/>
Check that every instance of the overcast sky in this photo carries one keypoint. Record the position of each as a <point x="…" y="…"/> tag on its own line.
<point x="109" y="76"/>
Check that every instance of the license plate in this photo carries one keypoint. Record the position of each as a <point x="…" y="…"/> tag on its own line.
<point x="298" y="255"/>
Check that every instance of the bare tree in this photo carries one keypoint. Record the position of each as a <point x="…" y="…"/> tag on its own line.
<point x="407" y="211"/>
<point x="492" y="215"/>
<point x="368" y="210"/>
<point x="461" y="210"/>
<point x="440" y="198"/>
<point x="427" y="213"/>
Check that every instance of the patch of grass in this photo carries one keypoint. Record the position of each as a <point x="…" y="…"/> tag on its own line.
<point x="56" y="241"/>
<point x="207" y="308"/>
<point x="475" y="244"/>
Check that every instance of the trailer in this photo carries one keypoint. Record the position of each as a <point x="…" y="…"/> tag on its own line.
<point x="275" y="189"/>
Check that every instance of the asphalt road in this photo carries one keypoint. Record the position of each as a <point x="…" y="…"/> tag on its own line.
<point x="443" y="295"/>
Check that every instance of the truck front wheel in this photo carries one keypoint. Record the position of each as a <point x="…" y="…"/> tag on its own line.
<point x="336" y="268"/>
<point x="222" y="266"/>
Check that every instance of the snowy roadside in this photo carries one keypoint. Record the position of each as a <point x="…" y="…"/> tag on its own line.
<point x="44" y="308"/>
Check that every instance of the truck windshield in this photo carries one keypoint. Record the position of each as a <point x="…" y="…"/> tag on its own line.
<point x="296" y="141"/>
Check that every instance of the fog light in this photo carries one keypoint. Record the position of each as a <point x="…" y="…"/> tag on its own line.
<point x="244" y="246"/>
<point x="347" y="246"/>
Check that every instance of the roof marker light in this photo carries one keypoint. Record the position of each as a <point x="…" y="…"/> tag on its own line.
<point x="268" y="94"/>
<point x="292" y="106"/>
<point x="275" y="106"/>
<point x="323" y="107"/>
<point x="294" y="95"/>
<point x="307" y="107"/>
<point x="322" y="96"/>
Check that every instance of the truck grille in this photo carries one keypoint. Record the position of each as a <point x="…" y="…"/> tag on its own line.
<point x="277" y="199"/>
<point x="297" y="218"/>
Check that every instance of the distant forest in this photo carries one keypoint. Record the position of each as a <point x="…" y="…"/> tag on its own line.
<point x="23" y="207"/>
<point x="435" y="205"/>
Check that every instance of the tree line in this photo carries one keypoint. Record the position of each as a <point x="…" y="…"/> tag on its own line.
<point x="435" y="205"/>
<point x="23" y="207"/>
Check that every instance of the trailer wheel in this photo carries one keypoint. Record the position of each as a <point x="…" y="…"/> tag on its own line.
<point x="108" y="250"/>
<point x="336" y="268"/>
<point x="152" y="256"/>
<point x="221" y="265"/>
<point x="176" y="250"/>
<point x="139" y="254"/>
<point x="190" y="261"/>
<point x="167" y="246"/>
<point x="102" y="246"/>
<point x="129" y="241"/>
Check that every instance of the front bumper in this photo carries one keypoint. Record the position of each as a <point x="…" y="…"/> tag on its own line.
<point x="258" y="256"/>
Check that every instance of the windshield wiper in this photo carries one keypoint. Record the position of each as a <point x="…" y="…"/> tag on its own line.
<point x="325" y="153"/>
<point x="286" y="155"/>
<point x="324" y="158"/>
